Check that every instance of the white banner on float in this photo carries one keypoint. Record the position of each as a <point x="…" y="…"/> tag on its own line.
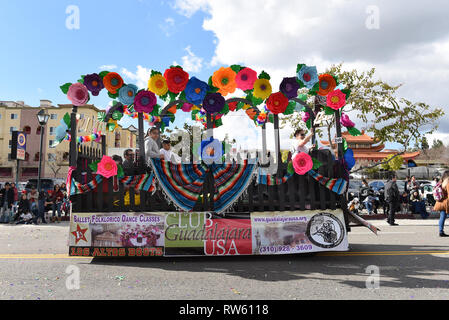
<point x="298" y="232"/>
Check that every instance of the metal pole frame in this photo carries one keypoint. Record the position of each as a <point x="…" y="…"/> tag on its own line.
<point x="40" y="160"/>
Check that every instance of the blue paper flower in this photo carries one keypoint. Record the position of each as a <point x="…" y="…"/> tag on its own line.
<point x="211" y="150"/>
<point x="308" y="76"/>
<point x="61" y="131"/>
<point x="196" y="91"/>
<point x="349" y="158"/>
<point x="127" y="93"/>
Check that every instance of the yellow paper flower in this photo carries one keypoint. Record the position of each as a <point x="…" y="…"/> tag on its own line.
<point x="158" y="85"/>
<point x="262" y="89"/>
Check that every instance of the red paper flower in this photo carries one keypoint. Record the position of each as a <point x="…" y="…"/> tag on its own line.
<point x="177" y="79"/>
<point x="336" y="99"/>
<point x="302" y="163"/>
<point x="277" y="103"/>
<point x="107" y="167"/>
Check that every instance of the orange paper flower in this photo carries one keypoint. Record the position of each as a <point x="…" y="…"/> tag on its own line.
<point x="327" y="84"/>
<point x="112" y="82"/>
<point x="224" y="80"/>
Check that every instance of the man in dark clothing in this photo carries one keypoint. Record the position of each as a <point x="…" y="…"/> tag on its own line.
<point x="392" y="198"/>
<point x="7" y="194"/>
<point x="129" y="166"/>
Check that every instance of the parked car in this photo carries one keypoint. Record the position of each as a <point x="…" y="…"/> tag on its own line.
<point x="427" y="192"/>
<point x="46" y="184"/>
<point x="377" y="185"/>
<point x="354" y="189"/>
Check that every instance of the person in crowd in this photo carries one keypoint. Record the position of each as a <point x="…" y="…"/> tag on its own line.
<point x="118" y="160"/>
<point x="418" y="205"/>
<point x="129" y="165"/>
<point x="404" y="202"/>
<point x="167" y="152"/>
<point x="151" y="147"/>
<point x="392" y="198"/>
<point x="7" y="197"/>
<point x="442" y="206"/>
<point x="65" y="200"/>
<point x="16" y="193"/>
<point x="301" y="140"/>
<point x="42" y="202"/>
<point x="435" y="181"/>
<point x="407" y="185"/>
<point x="369" y="202"/>
<point x="33" y="197"/>
<point x="56" y="199"/>
<point x="413" y="185"/>
<point x="354" y="206"/>
<point x="23" y="208"/>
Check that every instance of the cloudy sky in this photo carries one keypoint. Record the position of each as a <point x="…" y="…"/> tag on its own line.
<point x="406" y="41"/>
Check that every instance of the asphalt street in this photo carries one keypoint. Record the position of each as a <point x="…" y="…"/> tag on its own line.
<point x="411" y="260"/>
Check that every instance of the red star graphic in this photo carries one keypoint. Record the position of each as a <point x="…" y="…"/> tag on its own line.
<point x="79" y="234"/>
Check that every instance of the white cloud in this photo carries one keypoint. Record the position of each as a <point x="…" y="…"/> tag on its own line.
<point x="410" y="47"/>
<point x="168" y="27"/>
<point x="140" y="77"/>
<point x="108" y="67"/>
<point x="190" y="62"/>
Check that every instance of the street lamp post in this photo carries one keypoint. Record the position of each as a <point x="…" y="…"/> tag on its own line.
<point x="42" y="117"/>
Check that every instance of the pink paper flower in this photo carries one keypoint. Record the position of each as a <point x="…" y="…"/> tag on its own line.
<point x="78" y="94"/>
<point x="336" y="99"/>
<point x="107" y="167"/>
<point x="245" y="79"/>
<point x="346" y="122"/>
<point x="302" y="163"/>
<point x="187" y="107"/>
<point x="305" y="116"/>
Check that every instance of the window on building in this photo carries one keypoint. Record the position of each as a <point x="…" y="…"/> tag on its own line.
<point x="5" y="172"/>
<point x="27" y="156"/>
<point x="51" y="157"/>
<point x="52" y="131"/>
<point x="10" y="143"/>
<point x="50" y="143"/>
<point x="38" y="130"/>
<point x="14" y="116"/>
<point x="65" y="156"/>
<point x="53" y="116"/>
<point x="27" y="129"/>
<point x="36" y="156"/>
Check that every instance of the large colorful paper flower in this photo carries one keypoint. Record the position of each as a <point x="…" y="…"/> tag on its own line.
<point x="336" y="99"/>
<point x="289" y="87"/>
<point x="112" y="82"/>
<point x="308" y="76"/>
<point x="144" y="101"/>
<point x="302" y="163"/>
<point x="346" y="122"/>
<point x="78" y="94"/>
<point x="245" y="79"/>
<point x="213" y="102"/>
<point x="107" y="167"/>
<point x="158" y="85"/>
<point x="127" y="93"/>
<point x="176" y="79"/>
<point x="277" y="103"/>
<point x="196" y="91"/>
<point x="262" y="89"/>
<point x="211" y="150"/>
<point x="327" y="84"/>
<point x="93" y="83"/>
<point x="187" y="107"/>
<point x="224" y="80"/>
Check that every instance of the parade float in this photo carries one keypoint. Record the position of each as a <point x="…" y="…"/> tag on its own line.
<point x="212" y="203"/>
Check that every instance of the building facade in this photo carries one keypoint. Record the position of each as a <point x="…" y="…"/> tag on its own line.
<point x="369" y="151"/>
<point x="17" y="116"/>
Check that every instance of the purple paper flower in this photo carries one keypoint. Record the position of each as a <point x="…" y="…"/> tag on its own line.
<point x="213" y="102"/>
<point x="346" y="122"/>
<point x="289" y="87"/>
<point x="93" y="83"/>
<point x="145" y="101"/>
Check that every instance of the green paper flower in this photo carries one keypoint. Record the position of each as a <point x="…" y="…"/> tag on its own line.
<point x="117" y="115"/>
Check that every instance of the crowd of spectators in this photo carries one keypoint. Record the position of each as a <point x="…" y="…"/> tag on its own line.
<point x="31" y="206"/>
